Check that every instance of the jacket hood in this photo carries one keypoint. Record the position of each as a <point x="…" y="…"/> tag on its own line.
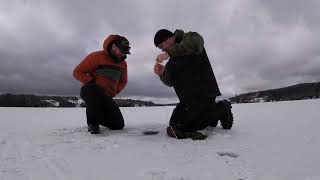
<point x="108" y="40"/>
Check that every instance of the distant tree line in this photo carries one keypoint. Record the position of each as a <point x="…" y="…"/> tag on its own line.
<point x="26" y="100"/>
<point x="295" y="92"/>
<point x="134" y="103"/>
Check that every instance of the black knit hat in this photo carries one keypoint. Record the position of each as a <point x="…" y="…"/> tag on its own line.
<point x="162" y="35"/>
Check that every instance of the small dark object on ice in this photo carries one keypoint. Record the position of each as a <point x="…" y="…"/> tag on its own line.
<point x="150" y="132"/>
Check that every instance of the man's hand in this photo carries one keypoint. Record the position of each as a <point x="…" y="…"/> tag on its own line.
<point x="161" y="57"/>
<point x="158" y="69"/>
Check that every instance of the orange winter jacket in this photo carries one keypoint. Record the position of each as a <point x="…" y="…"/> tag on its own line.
<point x="112" y="77"/>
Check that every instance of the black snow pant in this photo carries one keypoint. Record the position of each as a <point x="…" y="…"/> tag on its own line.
<point x="196" y="115"/>
<point x="101" y="109"/>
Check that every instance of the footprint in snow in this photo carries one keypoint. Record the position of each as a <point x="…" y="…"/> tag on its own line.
<point x="230" y="154"/>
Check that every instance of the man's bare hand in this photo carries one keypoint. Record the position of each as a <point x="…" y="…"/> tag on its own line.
<point x="161" y="57"/>
<point x="158" y="69"/>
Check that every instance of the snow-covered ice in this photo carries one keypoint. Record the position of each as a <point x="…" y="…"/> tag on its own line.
<point x="269" y="141"/>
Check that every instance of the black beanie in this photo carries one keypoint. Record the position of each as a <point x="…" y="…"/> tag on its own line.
<point x="162" y="35"/>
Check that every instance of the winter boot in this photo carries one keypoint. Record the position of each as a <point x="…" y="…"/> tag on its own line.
<point x="93" y="129"/>
<point x="226" y="119"/>
<point x="175" y="133"/>
<point x="196" y="135"/>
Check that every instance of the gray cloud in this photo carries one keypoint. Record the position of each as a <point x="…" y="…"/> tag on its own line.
<point x="252" y="45"/>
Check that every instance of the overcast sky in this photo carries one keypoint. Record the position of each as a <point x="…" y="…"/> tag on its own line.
<point x="252" y="44"/>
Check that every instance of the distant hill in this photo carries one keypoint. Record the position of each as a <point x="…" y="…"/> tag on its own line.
<point x="295" y="92"/>
<point x="25" y="100"/>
